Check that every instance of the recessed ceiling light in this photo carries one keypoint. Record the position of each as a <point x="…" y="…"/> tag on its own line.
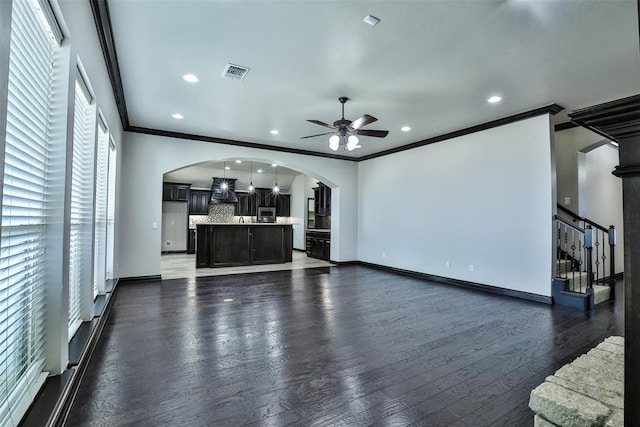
<point x="227" y="168"/>
<point x="260" y="171"/>
<point x="493" y="99"/>
<point x="238" y="161"/>
<point x="177" y="116"/>
<point x="371" y="20"/>
<point x="405" y="128"/>
<point x="191" y="78"/>
<point x="274" y="131"/>
<point x="228" y="300"/>
<point x="273" y="165"/>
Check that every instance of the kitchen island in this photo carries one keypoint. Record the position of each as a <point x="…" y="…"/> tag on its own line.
<point x="232" y="244"/>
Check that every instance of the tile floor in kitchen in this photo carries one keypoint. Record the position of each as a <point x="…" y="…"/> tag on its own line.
<point x="182" y="265"/>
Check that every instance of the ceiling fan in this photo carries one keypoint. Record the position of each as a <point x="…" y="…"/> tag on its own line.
<point x="346" y="132"/>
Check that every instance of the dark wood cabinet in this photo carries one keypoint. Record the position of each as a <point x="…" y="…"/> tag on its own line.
<point x="322" y="198"/>
<point x="231" y="246"/>
<point x="173" y="192"/>
<point x="283" y="205"/>
<point x="191" y="243"/>
<point x="267" y="245"/>
<point x="266" y="197"/>
<point x="199" y="202"/>
<point x="318" y="244"/>
<point x="204" y="245"/>
<point x="219" y="245"/>
<point x="246" y="204"/>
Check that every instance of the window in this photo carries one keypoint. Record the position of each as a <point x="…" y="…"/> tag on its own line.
<point x="35" y="38"/>
<point x="100" y="208"/>
<point x="111" y="208"/>
<point x="81" y="212"/>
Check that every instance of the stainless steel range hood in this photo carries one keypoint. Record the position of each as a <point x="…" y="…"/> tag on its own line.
<point x="223" y="190"/>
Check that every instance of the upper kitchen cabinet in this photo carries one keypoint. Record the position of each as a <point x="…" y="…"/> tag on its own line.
<point x="265" y="197"/>
<point x="282" y="202"/>
<point x="283" y="205"/>
<point x="322" y="196"/>
<point x="172" y="192"/>
<point x="199" y="202"/>
<point x="246" y="204"/>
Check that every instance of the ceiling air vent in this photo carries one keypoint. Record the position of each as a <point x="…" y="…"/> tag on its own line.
<point x="236" y="72"/>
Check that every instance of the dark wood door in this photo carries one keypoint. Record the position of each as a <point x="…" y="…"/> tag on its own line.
<point x="246" y="204"/>
<point x="266" y="197"/>
<point x="283" y="205"/>
<point x="267" y="244"/>
<point x="172" y="192"/>
<point x="204" y="241"/>
<point x="230" y="246"/>
<point x="199" y="202"/>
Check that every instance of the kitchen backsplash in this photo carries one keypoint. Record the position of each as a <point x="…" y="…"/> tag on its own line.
<point x="223" y="213"/>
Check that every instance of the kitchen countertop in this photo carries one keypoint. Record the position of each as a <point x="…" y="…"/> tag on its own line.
<point x="319" y="230"/>
<point x="243" y="223"/>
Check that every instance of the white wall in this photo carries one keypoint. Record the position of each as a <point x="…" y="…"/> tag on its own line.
<point x="147" y="157"/>
<point x="601" y="194"/>
<point x="298" y="210"/>
<point x="484" y="199"/>
<point x="568" y="143"/>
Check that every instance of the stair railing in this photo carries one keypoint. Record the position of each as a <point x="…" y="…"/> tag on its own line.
<point x="582" y="244"/>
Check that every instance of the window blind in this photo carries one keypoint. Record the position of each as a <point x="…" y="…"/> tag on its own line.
<point x="100" y="208"/>
<point x="111" y="208"/>
<point x="24" y="214"/>
<point x="81" y="203"/>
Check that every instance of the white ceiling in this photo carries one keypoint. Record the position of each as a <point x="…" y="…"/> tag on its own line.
<point x="430" y="65"/>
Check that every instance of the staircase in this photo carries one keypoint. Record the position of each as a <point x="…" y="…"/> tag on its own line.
<point x="585" y="269"/>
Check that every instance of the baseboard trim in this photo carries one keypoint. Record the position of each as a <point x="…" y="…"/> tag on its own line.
<point x="138" y="279"/>
<point x="456" y="282"/>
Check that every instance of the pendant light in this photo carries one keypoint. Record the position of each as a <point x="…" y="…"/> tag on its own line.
<point x="276" y="189"/>
<point x="224" y="186"/>
<point x="251" y="187"/>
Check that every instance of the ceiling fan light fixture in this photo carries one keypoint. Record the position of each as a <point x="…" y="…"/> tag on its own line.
<point x="334" y="142"/>
<point x="352" y="142"/>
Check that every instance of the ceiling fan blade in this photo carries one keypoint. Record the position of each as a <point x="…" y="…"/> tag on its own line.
<point x="374" y="133"/>
<point x="312" y="136"/>
<point x="318" y="122"/>
<point x="362" y="121"/>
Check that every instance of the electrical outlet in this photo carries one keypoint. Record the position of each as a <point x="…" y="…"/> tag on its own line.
<point x="384" y="254"/>
<point x="168" y="243"/>
<point x="470" y="267"/>
<point x="448" y="264"/>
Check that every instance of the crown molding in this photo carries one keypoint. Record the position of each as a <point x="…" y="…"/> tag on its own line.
<point x="615" y="120"/>
<point x="102" y="20"/>
<point x="547" y="109"/>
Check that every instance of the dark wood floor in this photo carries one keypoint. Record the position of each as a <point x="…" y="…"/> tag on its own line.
<point x="333" y="346"/>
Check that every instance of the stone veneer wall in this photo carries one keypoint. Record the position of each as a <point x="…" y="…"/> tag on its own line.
<point x="586" y="392"/>
<point x="224" y="213"/>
